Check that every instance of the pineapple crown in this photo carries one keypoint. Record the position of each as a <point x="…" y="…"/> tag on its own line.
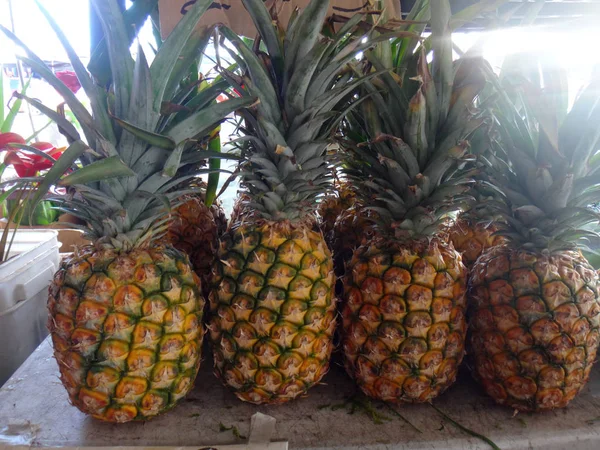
<point x="407" y="143"/>
<point x="487" y="204"/>
<point x="143" y="134"/>
<point x="550" y="158"/>
<point x="300" y="77"/>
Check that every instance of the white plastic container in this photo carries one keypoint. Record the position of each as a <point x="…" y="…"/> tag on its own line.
<point x="24" y="281"/>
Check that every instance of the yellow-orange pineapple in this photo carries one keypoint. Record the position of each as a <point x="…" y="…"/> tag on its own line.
<point x="352" y="228"/>
<point x="534" y="298"/>
<point x="125" y="313"/>
<point x="404" y="318"/>
<point x="471" y="236"/>
<point x="273" y="303"/>
<point x="127" y="330"/>
<point x="194" y="230"/>
<point x="333" y="205"/>
<point x="476" y="229"/>
<point x="404" y="312"/>
<point x="535" y="325"/>
<point x="273" y="312"/>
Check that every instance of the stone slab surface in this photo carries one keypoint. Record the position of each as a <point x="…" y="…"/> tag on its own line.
<point x="34" y="411"/>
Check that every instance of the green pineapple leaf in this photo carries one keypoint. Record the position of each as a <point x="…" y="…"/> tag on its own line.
<point x="67" y="127"/>
<point x="134" y="17"/>
<point x="170" y="51"/>
<point x="96" y="95"/>
<point x="121" y="62"/>
<point x="97" y="172"/>
<point x="6" y="123"/>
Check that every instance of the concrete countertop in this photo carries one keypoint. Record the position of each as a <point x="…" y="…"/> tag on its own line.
<point x="34" y="411"/>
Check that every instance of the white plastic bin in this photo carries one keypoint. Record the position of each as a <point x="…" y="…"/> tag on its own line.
<point x="24" y="281"/>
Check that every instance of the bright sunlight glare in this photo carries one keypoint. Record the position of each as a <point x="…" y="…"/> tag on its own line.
<point x="570" y="50"/>
<point x="31" y="27"/>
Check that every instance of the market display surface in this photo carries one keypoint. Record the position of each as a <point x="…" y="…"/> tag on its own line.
<point x="34" y="403"/>
<point x="462" y="311"/>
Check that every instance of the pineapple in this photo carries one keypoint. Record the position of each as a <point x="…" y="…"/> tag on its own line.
<point x="199" y="220"/>
<point x="471" y="236"/>
<point x="353" y="227"/>
<point x="342" y="223"/>
<point x="535" y="316"/>
<point x="272" y="305"/>
<point x="125" y="313"/>
<point x="332" y="206"/>
<point x="476" y="229"/>
<point x="239" y="209"/>
<point x="404" y="324"/>
<point x="194" y="231"/>
<point x="219" y="216"/>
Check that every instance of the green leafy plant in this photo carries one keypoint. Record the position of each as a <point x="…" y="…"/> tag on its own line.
<point x="123" y="182"/>
<point x="6" y="123"/>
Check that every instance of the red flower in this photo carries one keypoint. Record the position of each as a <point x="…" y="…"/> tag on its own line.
<point x="10" y="138"/>
<point x="69" y="78"/>
<point x="28" y="164"/>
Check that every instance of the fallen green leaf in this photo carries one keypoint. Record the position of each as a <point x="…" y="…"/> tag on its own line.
<point x="338" y="406"/>
<point x="358" y="403"/>
<point x="593" y="421"/>
<point x="404" y="419"/>
<point x="233" y="429"/>
<point x="465" y="429"/>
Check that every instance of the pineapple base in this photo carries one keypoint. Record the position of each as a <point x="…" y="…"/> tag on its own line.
<point x="535" y="326"/>
<point x="127" y="330"/>
<point x="272" y="310"/>
<point x="404" y="325"/>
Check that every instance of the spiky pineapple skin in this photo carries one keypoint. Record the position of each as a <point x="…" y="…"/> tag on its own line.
<point x="218" y="213"/>
<point x="194" y="230"/>
<point x="352" y="228"/>
<point x="241" y="212"/>
<point x="404" y="325"/>
<point x="535" y="324"/>
<point x="127" y="330"/>
<point x="272" y="310"/>
<point x="471" y="237"/>
<point x="332" y="206"/>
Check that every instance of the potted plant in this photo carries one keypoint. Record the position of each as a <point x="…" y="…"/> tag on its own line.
<point x="28" y="161"/>
<point x="28" y="258"/>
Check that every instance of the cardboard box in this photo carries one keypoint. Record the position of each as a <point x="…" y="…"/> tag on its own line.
<point x="68" y="238"/>
<point x="233" y="14"/>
